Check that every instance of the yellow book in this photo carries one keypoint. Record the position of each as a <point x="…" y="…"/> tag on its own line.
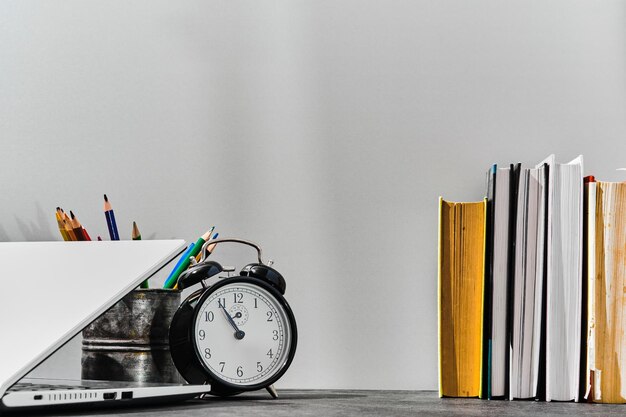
<point x="606" y="263"/>
<point x="462" y="229"/>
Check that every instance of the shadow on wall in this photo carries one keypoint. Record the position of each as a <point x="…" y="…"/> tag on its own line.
<point x="4" y="236"/>
<point x="38" y="229"/>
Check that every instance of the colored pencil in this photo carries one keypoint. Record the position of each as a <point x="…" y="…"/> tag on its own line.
<point x="64" y="234"/>
<point x="199" y="255"/>
<point x="82" y="230"/>
<point x="136" y="235"/>
<point x="110" y="217"/>
<point x="211" y="248"/>
<point x="67" y="223"/>
<point x="185" y="263"/>
<point x="69" y="231"/>
<point x="77" y="227"/>
<point x="180" y="261"/>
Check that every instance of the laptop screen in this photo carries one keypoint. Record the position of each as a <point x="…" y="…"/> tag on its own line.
<point x="52" y="290"/>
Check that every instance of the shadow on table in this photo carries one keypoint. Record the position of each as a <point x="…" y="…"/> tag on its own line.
<point x="282" y="395"/>
<point x="243" y="400"/>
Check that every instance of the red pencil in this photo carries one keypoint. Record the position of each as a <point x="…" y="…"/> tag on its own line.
<point x="77" y="227"/>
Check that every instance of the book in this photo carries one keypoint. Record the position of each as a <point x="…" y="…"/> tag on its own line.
<point x="527" y="326"/>
<point x="564" y="242"/>
<point x="606" y="271"/>
<point x="501" y="214"/>
<point x="461" y="294"/>
<point x="588" y="229"/>
<point x="487" y="348"/>
<point x="584" y="316"/>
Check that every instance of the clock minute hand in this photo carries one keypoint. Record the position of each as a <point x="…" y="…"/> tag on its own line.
<point x="239" y="334"/>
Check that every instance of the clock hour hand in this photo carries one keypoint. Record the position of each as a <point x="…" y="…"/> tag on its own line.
<point x="239" y="334"/>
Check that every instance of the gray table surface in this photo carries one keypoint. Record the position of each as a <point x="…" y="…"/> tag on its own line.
<point x="358" y="403"/>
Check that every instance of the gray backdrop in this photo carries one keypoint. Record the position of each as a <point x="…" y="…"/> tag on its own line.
<point x="324" y="130"/>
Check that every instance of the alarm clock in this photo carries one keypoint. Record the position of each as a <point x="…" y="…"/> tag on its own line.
<point x="238" y="334"/>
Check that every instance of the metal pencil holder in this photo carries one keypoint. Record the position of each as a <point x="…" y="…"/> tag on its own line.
<point x="130" y="341"/>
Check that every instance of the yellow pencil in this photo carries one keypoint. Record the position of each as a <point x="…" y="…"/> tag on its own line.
<point x="64" y="234"/>
<point x="67" y="223"/>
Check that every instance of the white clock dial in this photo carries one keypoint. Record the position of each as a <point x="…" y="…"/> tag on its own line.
<point x="242" y="334"/>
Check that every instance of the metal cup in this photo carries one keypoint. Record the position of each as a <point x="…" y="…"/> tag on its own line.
<point x="130" y="341"/>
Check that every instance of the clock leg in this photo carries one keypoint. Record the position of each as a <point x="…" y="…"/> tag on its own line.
<point x="272" y="391"/>
<point x="206" y="394"/>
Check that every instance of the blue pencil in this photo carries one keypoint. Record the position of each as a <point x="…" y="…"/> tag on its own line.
<point x="211" y="248"/>
<point x="110" y="217"/>
<point x="169" y="282"/>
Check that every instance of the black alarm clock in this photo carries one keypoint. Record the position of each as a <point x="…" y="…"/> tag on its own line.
<point x="238" y="334"/>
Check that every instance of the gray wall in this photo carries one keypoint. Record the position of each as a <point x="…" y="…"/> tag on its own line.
<point x="325" y="130"/>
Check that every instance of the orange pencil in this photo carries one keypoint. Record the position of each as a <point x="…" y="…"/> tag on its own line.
<point x="67" y="223"/>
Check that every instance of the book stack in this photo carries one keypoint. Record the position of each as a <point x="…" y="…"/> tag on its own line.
<point x="532" y="287"/>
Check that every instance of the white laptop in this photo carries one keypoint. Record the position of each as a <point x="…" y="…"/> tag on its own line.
<point x="49" y="292"/>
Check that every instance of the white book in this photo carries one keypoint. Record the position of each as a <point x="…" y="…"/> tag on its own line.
<point x="564" y="279"/>
<point x="500" y="258"/>
<point x="528" y="283"/>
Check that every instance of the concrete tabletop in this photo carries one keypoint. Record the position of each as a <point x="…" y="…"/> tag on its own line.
<point x="357" y="403"/>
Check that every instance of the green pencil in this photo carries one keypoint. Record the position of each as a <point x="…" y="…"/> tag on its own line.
<point x="136" y="234"/>
<point x="171" y="282"/>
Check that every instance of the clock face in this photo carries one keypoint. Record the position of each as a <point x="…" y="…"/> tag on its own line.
<point x="242" y="334"/>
